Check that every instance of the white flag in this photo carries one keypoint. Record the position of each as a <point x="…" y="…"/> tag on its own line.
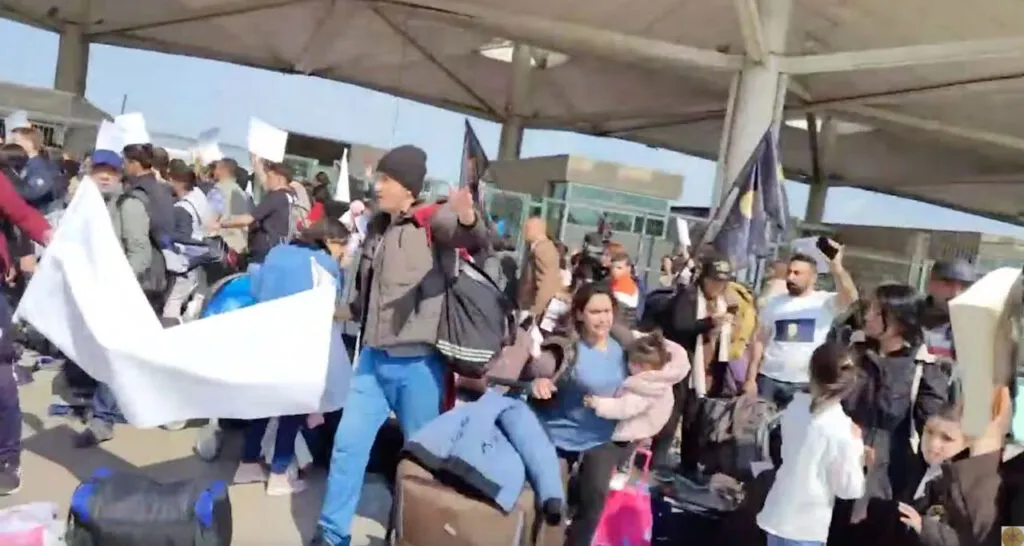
<point x="341" y="189"/>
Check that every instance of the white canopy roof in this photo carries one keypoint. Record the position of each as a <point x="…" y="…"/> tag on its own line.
<point x="938" y="107"/>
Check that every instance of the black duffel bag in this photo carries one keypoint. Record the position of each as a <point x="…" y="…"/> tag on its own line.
<point x="476" y="320"/>
<point x="121" y="509"/>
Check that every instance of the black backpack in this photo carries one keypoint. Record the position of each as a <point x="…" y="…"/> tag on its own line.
<point x="121" y="509"/>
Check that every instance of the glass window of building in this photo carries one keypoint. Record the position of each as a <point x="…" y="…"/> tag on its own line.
<point x="605" y="197"/>
<point x="558" y="190"/>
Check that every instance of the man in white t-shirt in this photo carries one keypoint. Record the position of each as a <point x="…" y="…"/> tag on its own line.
<point x="792" y="325"/>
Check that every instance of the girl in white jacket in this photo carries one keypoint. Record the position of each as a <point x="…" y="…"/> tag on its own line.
<point x="822" y="456"/>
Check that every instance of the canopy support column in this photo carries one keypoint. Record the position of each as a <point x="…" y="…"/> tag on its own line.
<point x="510" y="143"/>
<point x="822" y="133"/>
<point x="756" y="104"/>
<point x="72" y="60"/>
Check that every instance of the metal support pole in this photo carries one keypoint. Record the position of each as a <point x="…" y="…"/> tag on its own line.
<point x="822" y="136"/>
<point x="756" y="106"/>
<point x="510" y="143"/>
<point x="72" y="60"/>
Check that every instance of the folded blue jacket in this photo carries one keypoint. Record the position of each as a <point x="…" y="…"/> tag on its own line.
<point x="492" y="446"/>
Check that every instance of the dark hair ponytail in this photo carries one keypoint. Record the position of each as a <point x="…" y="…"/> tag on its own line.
<point x="833" y="374"/>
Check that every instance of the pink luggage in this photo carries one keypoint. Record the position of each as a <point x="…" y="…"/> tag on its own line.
<point x="627" y="518"/>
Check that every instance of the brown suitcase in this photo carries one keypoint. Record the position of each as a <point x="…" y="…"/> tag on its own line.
<point x="429" y="513"/>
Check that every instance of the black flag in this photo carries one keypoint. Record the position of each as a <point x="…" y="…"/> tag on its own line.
<point x="474" y="164"/>
<point x="753" y="214"/>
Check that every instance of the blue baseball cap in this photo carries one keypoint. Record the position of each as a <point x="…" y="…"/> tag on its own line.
<point x="108" y="158"/>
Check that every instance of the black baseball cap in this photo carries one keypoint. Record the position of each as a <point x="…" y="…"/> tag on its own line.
<point x="716" y="268"/>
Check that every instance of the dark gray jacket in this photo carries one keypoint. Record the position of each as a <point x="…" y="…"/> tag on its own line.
<point x="402" y="279"/>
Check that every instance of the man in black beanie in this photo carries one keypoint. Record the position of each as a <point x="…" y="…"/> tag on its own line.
<point x="401" y="290"/>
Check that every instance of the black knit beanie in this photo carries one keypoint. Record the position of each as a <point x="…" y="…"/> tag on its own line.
<point x="407" y="165"/>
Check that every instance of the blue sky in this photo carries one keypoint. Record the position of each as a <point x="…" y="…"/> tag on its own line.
<point x="184" y="96"/>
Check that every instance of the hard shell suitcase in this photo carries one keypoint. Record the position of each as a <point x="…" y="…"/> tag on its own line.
<point x="430" y="513"/>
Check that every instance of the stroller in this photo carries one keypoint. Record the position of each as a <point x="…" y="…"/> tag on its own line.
<point x="228" y="294"/>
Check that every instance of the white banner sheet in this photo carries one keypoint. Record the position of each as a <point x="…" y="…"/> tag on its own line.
<point x="281" y="357"/>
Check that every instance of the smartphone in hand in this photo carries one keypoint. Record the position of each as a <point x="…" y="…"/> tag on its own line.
<point x="826" y="247"/>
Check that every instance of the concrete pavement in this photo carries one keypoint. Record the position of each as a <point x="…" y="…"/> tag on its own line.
<point x="52" y="468"/>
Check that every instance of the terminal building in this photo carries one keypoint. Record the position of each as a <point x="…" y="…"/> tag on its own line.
<point x="575" y="193"/>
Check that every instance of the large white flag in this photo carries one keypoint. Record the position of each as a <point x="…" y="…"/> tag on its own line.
<point x="282" y="357"/>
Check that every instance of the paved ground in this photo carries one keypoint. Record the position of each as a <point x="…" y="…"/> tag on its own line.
<point x="52" y="468"/>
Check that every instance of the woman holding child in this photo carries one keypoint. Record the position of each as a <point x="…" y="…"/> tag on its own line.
<point x="611" y="389"/>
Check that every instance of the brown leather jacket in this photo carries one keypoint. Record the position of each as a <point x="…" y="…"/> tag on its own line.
<point x="541" y="278"/>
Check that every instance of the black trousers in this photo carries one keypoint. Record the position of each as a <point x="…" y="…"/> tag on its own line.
<point x="684" y="414"/>
<point x="588" y="490"/>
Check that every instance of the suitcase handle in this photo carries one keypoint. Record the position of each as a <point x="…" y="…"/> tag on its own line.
<point x="647" y="462"/>
<point x="648" y="457"/>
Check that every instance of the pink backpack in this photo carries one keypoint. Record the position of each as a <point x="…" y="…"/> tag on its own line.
<point x="627" y="518"/>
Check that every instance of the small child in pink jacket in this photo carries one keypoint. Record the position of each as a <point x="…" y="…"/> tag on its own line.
<point x="644" y="402"/>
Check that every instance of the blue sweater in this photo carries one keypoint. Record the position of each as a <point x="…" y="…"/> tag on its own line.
<point x="286" y="271"/>
<point x="571" y="425"/>
<point x="492" y="445"/>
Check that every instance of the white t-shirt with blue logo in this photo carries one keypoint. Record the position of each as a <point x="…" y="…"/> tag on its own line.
<point x="794" y="327"/>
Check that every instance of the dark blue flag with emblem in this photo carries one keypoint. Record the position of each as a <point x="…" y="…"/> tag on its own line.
<point x="753" y="214"/>
<point x="474" y="164"/>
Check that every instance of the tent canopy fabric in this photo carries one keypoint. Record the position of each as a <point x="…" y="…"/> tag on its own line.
<point x="929" y="90"/>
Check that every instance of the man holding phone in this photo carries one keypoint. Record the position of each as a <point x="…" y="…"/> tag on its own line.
<point x="792" y="325"/>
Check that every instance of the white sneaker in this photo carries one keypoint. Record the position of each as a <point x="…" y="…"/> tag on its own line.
<point x="250" y="473"/>
<point x="288" y="483"/>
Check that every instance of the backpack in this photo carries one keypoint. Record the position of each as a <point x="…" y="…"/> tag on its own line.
<point x="746" y="319"/>
<point x="214" y="252"/>
<point x="298" y="213"/>
<point x="476" y="316"/>
<point x="154" y="279"/>
<point x="133" y="510"/>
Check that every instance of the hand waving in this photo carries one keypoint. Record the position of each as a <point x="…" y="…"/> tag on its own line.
<point x="461" y="200"/>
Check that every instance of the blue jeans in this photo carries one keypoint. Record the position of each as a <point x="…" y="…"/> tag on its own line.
<point x="412" y="387"/>
<point x="779" y="541"/>
<point x="288" y="428"/>
<point x="104" y="405"/>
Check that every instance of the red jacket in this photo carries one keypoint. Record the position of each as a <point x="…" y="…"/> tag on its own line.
<point x="15" y="210"/>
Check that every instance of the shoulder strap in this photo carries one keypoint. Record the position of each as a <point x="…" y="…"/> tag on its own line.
<point x="915" y="387"/>
<point x="193" y="207"/>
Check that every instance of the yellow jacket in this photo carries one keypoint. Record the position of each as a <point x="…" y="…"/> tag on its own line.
<point x="746" y="318"/>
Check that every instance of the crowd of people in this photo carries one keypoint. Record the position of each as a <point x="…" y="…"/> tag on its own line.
<point x="861" y="391"/>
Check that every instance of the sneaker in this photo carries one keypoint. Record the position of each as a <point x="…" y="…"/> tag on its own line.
<point x="95" y="434"/>
<point x="174" y="425"/>
<point x="10" y="480"/>
<point x="249" y="473"/>
<point x="284" y="484"/>
<point x="209" y="442"/>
